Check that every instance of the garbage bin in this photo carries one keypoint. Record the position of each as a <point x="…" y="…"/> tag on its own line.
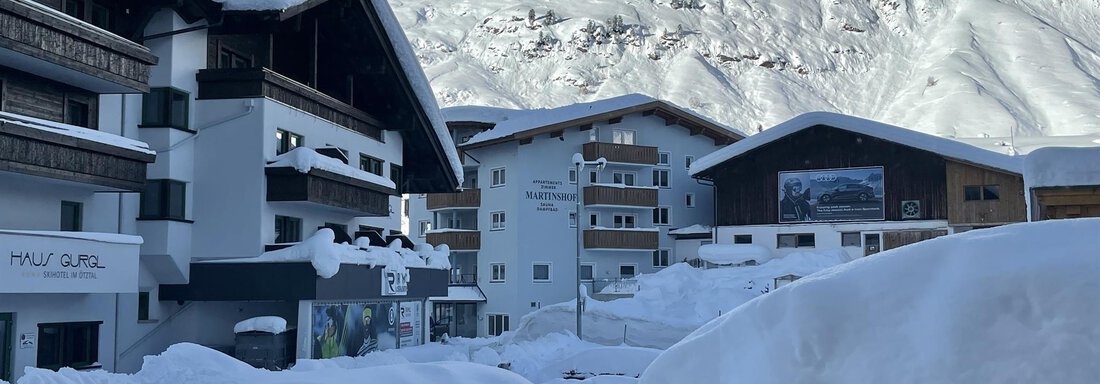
<point x="266" y="350"/>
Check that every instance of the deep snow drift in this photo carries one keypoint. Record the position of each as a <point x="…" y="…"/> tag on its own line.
<point x="1014" y="304"/>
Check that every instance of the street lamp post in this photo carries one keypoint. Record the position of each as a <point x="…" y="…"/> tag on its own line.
<point x="578" y="164"/>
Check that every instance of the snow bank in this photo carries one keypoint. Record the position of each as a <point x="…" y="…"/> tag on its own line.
<point x="1014" y="304"/>
<point x="326" y="256"/>
<point x="1059" y="166"/>
<point x="671" y="303"/>
<point x="269" y="324"/>
<point x="613" y="361"/>
<point x="304" y="159"/>
<point x="729" y="254"/>
<point x="76" y="132"/>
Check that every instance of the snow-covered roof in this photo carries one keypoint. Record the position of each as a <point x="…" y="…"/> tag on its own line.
<point x="727" y="254"/>
<point x="1060" y="167"/>
<point x="114" y="238"/>
<point x="943" y="146"/>
<point x="304" y="159"/>
<point x="461" y="293"/>
<point x="76" y="132"/>
<point x="694" y="229"/>
<point x="269" y="324"/>
<point x="509" y="123"/>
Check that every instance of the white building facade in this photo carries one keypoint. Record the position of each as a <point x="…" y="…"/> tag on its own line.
<point x="513" y="232"/>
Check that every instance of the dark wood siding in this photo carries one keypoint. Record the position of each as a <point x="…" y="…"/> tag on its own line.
<point x="34" y="96"/>
<point x="327" y="188"/>
<point x="1067" y="202"/>
<point x="457" y="241"/>
<point x="620" y="239"/>
<point x="470" y="198"/>
<point x="635" y="197"/>
<point x="893" y="240"/>
<point x="748" y="190"/>
<point x="620" y="153"/>
<point x="256" y="47"/>
<point x="1009" y="208"/>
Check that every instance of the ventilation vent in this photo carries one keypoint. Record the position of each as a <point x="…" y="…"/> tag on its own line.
<point x="910" y="209"/>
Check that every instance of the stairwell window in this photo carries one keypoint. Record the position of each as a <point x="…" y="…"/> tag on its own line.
<point x="497" y="221"/>
<point x="688" y="160"/>
<point x="165" y="107"/>
<point x="498" y="176"/>
<point x="396" y="177"/>
<point x="72" y="216"/>
<point x="164" y="199"/>
<point x="689" y="200"/>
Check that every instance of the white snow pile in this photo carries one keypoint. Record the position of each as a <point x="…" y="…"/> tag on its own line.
<point x="76" y="132"/>
<point x="326" y="256"/>
<point x="671" y="303"/>
<point x="693" y="229"/>
<point x="955" y="68"/>
<point x="1013" y="304"/>
<point x="259" y="5"/>
<point x="194" y="364"/>
<point x="269" y="324"/>
<point x="729" y="254"/>
<point x="613" y="361"/>
<point x="1058" y="167"/>
<point x="304" y="159"/>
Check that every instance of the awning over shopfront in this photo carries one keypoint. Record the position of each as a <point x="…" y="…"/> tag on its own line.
<point x="68" y="262"/>
<point x="461" y="294"/>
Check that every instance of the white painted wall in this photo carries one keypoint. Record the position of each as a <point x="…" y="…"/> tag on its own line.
<point x="827" y="236"/>
<point x="33" y="309"/>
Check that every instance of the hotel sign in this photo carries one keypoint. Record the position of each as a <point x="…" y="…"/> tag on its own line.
<point x="52" y="262"/>
<point x="548" y="193"/>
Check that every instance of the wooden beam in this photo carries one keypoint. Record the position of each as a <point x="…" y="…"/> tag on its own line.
<point x="615" y="120"/>
<point x="557" y="133"/>
<point x="584" y="127"/>
<point x="649" y="112"/>
<point x="525" y="141"/>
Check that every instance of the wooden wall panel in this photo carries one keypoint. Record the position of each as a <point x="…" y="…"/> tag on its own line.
<point x="1067" y="202"/>
<point x="42" y="98"/>
<point x="1009" y="208"/>
<point x="891" y="240"/>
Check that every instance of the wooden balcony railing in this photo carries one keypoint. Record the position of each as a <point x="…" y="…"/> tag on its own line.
<point x="634" y="197"/>
<point x="620" y="153"/>
<point x="620" y="239"/>
<point x="457" y="241"/>
<point x="470" y="198"/>
<point x="326" y="188"/>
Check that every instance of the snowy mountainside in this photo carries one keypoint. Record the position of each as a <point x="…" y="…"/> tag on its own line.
<point x="959" y="68"/>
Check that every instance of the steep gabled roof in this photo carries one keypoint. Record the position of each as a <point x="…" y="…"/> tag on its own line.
<point x="522" y="124"/>
<point x="945" y="147"/>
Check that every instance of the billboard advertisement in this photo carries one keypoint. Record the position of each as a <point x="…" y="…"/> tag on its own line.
<point x="353" y="329"/>
<point x="410" y="329"/>
<point x="846" y="194"/>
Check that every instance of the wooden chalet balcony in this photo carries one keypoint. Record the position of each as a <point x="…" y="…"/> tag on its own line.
<point x="325" y="188"/>
<point x="470" y="198"/>
<point x="616" y="196"/>
<point x="246" y="83"/>
<point x="620" y="153"/>
<point x="620" y="239"/>
<point x="79" y="53"/>
<point x="459" y="240"/>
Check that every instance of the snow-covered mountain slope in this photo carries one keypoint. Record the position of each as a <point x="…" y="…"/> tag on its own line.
<point x="960" y="68"/>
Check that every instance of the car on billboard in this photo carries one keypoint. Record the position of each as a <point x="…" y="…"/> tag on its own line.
<point x="852" y="192"/>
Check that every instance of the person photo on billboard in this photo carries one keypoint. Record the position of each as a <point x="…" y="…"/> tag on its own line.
<point x="370" y="336"/>
<point x="330" y="342"/>
<point x="794" y="205"/>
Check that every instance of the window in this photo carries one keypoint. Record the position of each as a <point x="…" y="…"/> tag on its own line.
<point x="143" y="306"/>
<point x="68" y="345"/>
<point x="625" y="221"/>
<point x="285" y="141"/>
<point x="660" y="178"/>
<point x="663" y="157"/>
<point x="660" y="216"/>
<point x="164" y="199"/>
<point x="572" y="176"/>
<point x="76" y="113"/>
<point x="498" y="324"/>
<point x="688" y="160"/>
<point x="689" y="200"/>
<point x="795" y="240"/>
<point x="498" y="177"/>
<point x="588" y="272"/>
<point x="496" y="273"/>
<point x="540" y="272"/>
<point x="425" y="226"/>
<point x="622" y="136"/>
<point x="165" y="107"/>
<point x="101" y="16"/>
<point x="72" y="216"/>
<point x="288" y="229"/>
<point x="625" y="178"/>
<point x="593" y="177"/>
<point x="497" y="221"/>
<point x="75" y="8"/>
<point x="628" y="271"/>
<point x="395" y="176"/>
<point x="572" y="219"/>
<point x="229" y="58"/>
<point x="981" y="192"/>
<point x="371" y="164"/>
<point x="660" y="258"/>
<point x="850" y="239"/>
<point x="742" y="239"/>
<point x="594" y="219"/>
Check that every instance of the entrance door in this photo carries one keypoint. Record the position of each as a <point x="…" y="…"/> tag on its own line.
<point x="872" y="243"/>
<point x="5" y="348"/>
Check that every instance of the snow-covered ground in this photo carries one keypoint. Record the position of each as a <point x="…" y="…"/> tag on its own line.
<point x="1013" y="304"/>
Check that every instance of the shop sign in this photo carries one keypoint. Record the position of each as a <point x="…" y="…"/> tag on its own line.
<point x="395" y="281"/>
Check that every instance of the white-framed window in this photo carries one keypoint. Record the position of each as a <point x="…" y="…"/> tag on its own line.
<point x="540" y="272"/>
<point x="498" y="324"/>
<point x="588" y="271"/>
<point x="689" y="200"/>
<point x="688" y="160"/>
<point x="625" y="178"/>
<point x="498" y="177"/>
<point x="425" y="226"/>
<point x="660" y="178"/>
<point x="628" y="271"/>
<point x="661" y="257"/>
<point x="572" y="219"/>
<point x="593" y="219"/>
<point x="661" y="216"/>
<point x="593" y="177"/>
<point x="623" y="220"/>
<point x="496" y="273"/>
<point x="663" y="158"/>
<point x="572" y="176"/>
<point x="594" y="134"/>
<point x="622" y="136"/>
<point x="496" y="221"/>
